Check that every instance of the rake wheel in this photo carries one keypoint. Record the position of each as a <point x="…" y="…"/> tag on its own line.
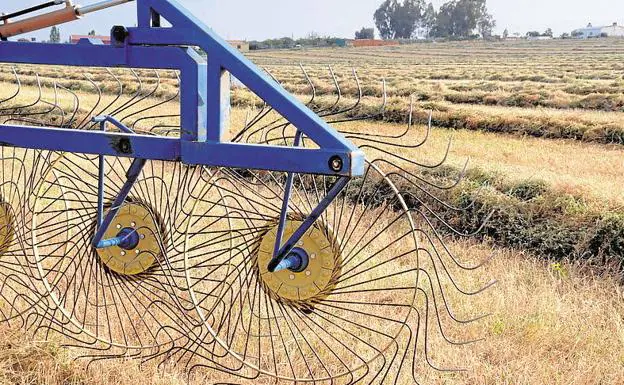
<point x="168" y="245"/>
<point x="113" y="298"/>
<point x="19" y="172"/>
<point x="318" y="322"/>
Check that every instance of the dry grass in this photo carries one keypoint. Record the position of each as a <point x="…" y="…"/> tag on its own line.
<point x="550" y="324"/>
<point x="588" y="169"/>
<point x="584" y="169"/>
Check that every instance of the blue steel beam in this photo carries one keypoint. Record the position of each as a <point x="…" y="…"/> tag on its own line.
<point x="202" y="100"/>
<point x="232" y="155"/>
<point x="91" y="142"/>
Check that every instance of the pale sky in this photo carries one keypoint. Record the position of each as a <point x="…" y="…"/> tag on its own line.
<point x="262" y="19"/>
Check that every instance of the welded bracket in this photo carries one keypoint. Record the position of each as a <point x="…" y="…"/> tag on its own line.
<point x="132" y="175"/>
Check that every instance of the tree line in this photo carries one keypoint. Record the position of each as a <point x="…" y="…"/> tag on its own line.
<point x="457" y="19"/>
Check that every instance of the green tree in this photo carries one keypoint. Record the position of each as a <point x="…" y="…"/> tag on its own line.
<point x="486" y="25"/>
<point x="460" y="19"/>
<point x="429" y="20"/>
<point x="505" y="33"/>
<point x="549" y="32"/>
<point x="365" y="33"/>
<point x="92" y="33"/>
<point x="55" y="35"/>
<point x="396" y="20"/>
<point x="533" y="34"/>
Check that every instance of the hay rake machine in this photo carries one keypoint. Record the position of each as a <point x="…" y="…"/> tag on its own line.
<point x="272" y="252"/>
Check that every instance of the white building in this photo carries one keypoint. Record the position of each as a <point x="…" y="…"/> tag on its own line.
<point x="590" y="31"/>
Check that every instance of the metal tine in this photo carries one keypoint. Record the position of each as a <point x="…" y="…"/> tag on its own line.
<point x="442" y="291"/>
<point x="161" y="103"/>
<point x="262" y="113"/>
<point x="56" y="104"/>
<point x="310" y="83"/>
<point x="380" y="114"/>
<point x="445" y="301"/>
<point x="426" y="336"/>
<point x="357" y="102"/>
<point x="409" y="161"/>
<point x="276" y="123"/>
<point x="272" y="126"/>
<point x="117" y="97"/>
<point x="76" y="106"/>
<point x="403" y="170"/>
<point x="365" y="136"/>
<point x="17" y="108"/>
<point x="19" y="87"/>
<point x="25" y="117"/>
<point x="140" y="99"/>
<point x="338" y="93"/>
<point x="445" y="223"/>
<point x="438" y="315"/>
<point x="135" y="96"/>
<point x="440" y="240"/>
<point x="88" y="116"/>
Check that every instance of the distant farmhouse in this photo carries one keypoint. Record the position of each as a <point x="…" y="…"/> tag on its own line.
<point x="613" y="30"/>
<point x="74" y="39"/>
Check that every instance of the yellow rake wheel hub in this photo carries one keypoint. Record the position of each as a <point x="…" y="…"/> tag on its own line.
<point x="316" y="281"/>
<point x="145" y="254"/>
<point x="7" y="227"/>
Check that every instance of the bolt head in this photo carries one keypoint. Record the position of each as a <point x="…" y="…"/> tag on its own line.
<point x="137" y="251"/>
<point x="292" y="276"/>
<point x="336" y="164"/>
<point x="123" y="253"/>
<point x="118" y="226"/>
<point x="307" y="273"/>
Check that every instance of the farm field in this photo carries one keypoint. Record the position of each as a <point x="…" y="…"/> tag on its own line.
<point x="543" y="126"/>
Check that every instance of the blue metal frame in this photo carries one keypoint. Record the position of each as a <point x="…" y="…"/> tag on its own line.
<point x="204" y="101"/>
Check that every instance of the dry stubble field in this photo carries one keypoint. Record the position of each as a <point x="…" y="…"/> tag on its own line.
<point x="551" y="112"/>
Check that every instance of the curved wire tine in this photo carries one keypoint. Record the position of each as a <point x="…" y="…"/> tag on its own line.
<point x="434" y="250"/>
<point x="364" y="136"/>
<point x="141" y="99"/>
<point x="448" y="226"/>
<point x="357" y="102"/>
<point x="380" y="115"/>
<point x="76" y="106"/>
<point x="135" y="96"/>
<point x="426" y="342"/>
<point x="98" y="90"/>
<point x="119" y="94"/>
<point x="151" y="107"/>
<point x="54" y="106"/>
<point x="19" y="87"/>
<point x="337" y="90"/>
<point x="239" y="137"/>
<point x="445" y="301"/>
<point x="409" y="161"/>
<point x="17" y="109"/>
<point x="273" y="126"/>
<point x="416" y="177"/>
<point x="438" y="237"/>
<point x="310" y="83"/>
<point x="448" y="311"/>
